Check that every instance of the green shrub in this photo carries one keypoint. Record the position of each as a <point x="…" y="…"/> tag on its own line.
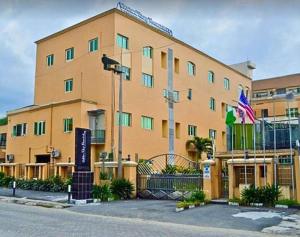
<point x="198" y="195"/>
<point x="103" y="176"/>
<point x="122" y="188"/>
<point x="1" y="175"/>
<point x="170" y="169"/>
<point x="266" y="195"/>
<point x="288" y="202"/>
<point x="101" y="192"/>
<point x="6" y="180"/>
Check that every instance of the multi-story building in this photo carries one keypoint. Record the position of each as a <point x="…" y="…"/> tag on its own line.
<point x="269" y="96"/>
<point x="73" y="90"/>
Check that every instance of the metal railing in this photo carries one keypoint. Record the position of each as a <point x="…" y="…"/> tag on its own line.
<point x="98" y="136"/>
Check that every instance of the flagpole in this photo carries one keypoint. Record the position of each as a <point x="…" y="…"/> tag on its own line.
<point x="264" y="150"/>
<point x="254" y="151"/>
<point x="232" y="143"/>
<point x="244" y="140"/>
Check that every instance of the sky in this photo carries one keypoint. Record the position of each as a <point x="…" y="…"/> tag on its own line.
<point x="267" y="32"/>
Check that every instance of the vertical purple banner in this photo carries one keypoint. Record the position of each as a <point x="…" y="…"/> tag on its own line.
<point x="82" y="149"/>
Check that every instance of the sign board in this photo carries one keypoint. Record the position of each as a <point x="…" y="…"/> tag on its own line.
<point x="82" y="149"/>
<point x="206" y="172"/>
<point x="141" y="17"/>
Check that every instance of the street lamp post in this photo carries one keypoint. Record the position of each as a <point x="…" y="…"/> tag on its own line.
<point x="114" y="66"/>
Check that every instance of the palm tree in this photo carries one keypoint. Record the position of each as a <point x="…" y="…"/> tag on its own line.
<point x="201" y="145"/>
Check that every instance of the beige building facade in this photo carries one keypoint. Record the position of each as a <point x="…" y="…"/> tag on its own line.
<point x="73" y="90"/>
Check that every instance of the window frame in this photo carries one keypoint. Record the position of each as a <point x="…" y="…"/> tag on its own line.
<point x="39" y="128"/>
<point x="212" y="104"/>
<point x="226" y="83"/>
<point x="148" y="52"/>
<point x="92" y="46"/>
<point x="143" y="117"/>
<point x="192" y="130"/>
<point x="191" y="68"/>
<point x="71" y="51"/>
<point x="69" y="89"/>
<point x="129" y="119"/>
<point x="145" y="80"/>
<point x="211" y="77"/>
<point x="68" y="127"/>
<point x="50" y="60"/>
<point x="121" y="43"/>
<point x="23" y="130"/>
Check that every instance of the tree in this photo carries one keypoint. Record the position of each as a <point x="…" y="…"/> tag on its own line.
<point x="201" y="145"/>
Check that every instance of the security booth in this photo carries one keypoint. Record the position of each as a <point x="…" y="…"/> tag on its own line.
<point x="262" y="168"/>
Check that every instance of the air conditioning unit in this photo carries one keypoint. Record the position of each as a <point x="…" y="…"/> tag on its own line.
<point x="55" y="153"/>
<point x="10" y="158"/>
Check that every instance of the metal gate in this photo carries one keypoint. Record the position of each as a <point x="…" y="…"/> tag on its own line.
<point x="168" y="176"/>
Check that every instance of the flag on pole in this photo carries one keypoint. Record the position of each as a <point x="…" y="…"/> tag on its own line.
<point x="245" y="107"/>
<point x="230" y="118"/>
<point x="241" y="115"/>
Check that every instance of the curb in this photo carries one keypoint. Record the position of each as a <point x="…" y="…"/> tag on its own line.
<point x="189" y="207"/>
<point x="32" y="202"/>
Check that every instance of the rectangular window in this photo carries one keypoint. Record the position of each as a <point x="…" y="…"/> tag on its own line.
<point x="147" y="123"/>
<point x="19" y="130"/>
<point x="226" y="84"/>
<point x="190" y="94"/>
<point x="50" y="60"/>
<point x="280" y="91"/>
<point x="191" y="69"/>
<point x="69" y="54"/>
<point x="147" y="52"/>
<point x="293" y="112"/>
<point x="2" y="140"/>
<point x="212" y="134"/>
<point x="260" y="94"/>
<point x="126" y="119"/>
<point x="163" y="60"/>
<point x="176" y="65"/>
<point x="177" y="130"/>
<point x="93" y="45"/>
<point x="68" y="125"/>
<point x="164" y="128"/>
<point x="122" y="41"/>
<point x="212" y="104"/>
<point x="211" y="77"/>
<point x="39" y="128"/>
<point x="192" y="130"/>
<point x="126" y="73"/>
<point x="264" y="113"/>
<point x="148" y="80"/>
<point x="69" y="85"/>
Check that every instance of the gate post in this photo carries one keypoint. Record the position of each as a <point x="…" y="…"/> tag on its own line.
<point x="210" y="178"/>
<point x="130" y="168"/>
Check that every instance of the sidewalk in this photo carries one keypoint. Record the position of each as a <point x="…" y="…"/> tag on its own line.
<point x="36" y="195"/>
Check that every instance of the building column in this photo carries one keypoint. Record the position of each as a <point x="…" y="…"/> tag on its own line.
<point x="297" y="175"/>
<point x="209" y="174"/>
<point x="129" y="172"/>
<point x="231" y="180"/>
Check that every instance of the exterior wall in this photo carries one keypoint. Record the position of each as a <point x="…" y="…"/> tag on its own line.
<point x="275" y="105"/>
<point x="92" y="83"/>
<point x="140" y="100"/>
<point x="3" y="129"/>
<point x="25" y="148"/>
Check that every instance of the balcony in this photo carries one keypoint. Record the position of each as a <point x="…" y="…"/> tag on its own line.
<point x="98" y="136"/>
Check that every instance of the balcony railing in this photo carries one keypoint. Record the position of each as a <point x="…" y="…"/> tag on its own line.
<point x="98" y="137"/>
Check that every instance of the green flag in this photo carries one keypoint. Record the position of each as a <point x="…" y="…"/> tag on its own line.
<point x="230" y="118"/>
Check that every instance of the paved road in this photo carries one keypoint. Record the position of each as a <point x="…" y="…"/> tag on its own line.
<point x="164" y="211"/>
<point x="47" y="196"/>
<point x="23" y="221"/>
